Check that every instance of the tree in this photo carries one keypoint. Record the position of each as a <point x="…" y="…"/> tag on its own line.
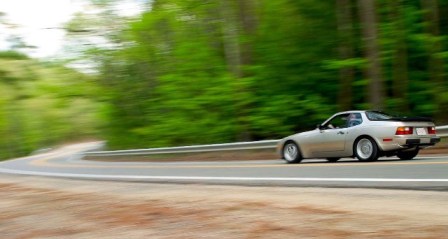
<point x="42" y="105"/>
<point x="435" y="62"/>
<point x="230" y="35"/>
<point x="400" y="76"/>
<point x="345" y="32"/>
<point x="192" y="72"/>
<point x="367" y="13"/>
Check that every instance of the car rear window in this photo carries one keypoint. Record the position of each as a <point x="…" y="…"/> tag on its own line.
<point x="378" y="116"/>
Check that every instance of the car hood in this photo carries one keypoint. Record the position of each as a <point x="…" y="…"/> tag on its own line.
<point x="302" y="134"/>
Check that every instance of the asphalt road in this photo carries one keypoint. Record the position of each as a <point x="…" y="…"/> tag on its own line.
<point x="421" y="173"/>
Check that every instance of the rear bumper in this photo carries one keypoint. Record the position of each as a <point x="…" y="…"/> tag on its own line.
<point x="421" y="142"/>
<point x="412" y="141"/>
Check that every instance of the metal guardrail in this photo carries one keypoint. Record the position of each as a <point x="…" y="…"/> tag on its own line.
<point x="442" y="131"/>
<point x="264" y="144"/>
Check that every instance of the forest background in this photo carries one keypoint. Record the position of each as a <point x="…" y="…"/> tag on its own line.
<point x="187" y="72"/>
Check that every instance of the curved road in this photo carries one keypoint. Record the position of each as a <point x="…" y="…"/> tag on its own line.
<point x="423" y="173"/>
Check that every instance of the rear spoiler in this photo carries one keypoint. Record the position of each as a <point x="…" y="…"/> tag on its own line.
<point x="409" y="119"/>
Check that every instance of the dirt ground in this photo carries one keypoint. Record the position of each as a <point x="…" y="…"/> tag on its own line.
<point x="37" y="207"/>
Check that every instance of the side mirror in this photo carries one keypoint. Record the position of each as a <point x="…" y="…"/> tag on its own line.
<point x="319" y="126"/>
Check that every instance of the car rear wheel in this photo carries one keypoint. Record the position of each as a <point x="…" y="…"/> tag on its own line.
<point x="332" y="160"/>
<point x="366" y="150"/>
<point x="291" y="152"/>
<point x="407" y="155"/>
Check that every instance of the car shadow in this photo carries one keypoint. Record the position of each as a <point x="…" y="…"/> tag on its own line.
<point x="351" y="160"/>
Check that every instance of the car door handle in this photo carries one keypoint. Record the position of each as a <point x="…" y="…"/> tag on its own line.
<point x="341" y="132"/>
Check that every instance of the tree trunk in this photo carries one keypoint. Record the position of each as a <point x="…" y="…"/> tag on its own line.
<point x="367" y="14"/>
<point x="232" y="50"/>
<point x="435" y="64"/>
<point x="249" y="24"/>
<point x="400" y="77"/>
<point x="237" y="22"/>
<point x="345" y="32"/>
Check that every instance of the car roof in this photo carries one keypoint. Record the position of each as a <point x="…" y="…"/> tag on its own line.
<point x="352" y="111"/>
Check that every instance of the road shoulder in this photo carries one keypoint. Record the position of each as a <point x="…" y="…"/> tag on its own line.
<point x="93" y="209"/>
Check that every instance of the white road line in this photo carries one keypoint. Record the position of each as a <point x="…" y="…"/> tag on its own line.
<point x="423" y="156"/>
<point x="178" y="178"/>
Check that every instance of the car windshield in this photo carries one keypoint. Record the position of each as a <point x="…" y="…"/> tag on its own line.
<point x="376" y="115"/>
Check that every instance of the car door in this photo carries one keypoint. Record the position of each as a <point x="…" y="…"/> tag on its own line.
<point x="329" y="139"/>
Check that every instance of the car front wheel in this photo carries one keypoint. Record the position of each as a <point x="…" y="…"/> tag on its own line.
<point x="366" y="150"/>
<point x="407" y="155"/>
<point x="291" y="152"/>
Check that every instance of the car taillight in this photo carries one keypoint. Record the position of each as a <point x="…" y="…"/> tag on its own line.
<point x="404" y="130"/>
<point x="431" y="130"/>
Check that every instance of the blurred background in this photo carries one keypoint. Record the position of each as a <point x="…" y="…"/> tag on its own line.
<point x="141" y="73"/>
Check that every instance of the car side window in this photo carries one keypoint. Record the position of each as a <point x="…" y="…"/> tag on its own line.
<point x="337" y="122"/>
<point x="354" y="119"/>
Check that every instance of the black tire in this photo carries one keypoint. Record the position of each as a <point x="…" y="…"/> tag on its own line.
<point x="291" y="152"/>
<point x="366" y="150"/>
<point x="407" y="155"/>
<point x="333" y="160"/>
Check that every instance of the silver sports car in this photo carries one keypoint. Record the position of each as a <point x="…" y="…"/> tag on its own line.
<point x="365" y="135"/>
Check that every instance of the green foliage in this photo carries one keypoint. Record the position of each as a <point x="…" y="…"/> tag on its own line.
<point x="42" y="105"/>
<point x="12" y="55"/>
<point x="358" y="63"/>
<point x="191" y="72"/>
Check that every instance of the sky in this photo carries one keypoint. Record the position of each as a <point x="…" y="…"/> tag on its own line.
<point x="39" y="22"/>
